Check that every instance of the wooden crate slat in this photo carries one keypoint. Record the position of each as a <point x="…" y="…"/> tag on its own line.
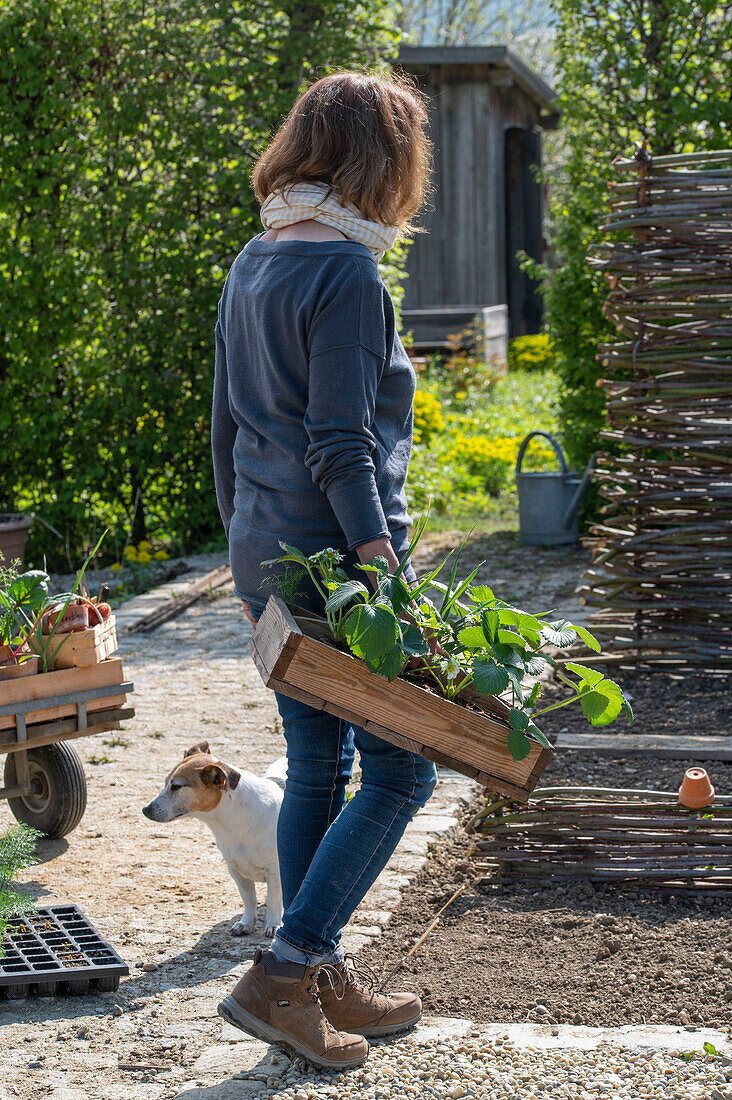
<point x="66" y="729"/>
<point x="87" y="647"/>
<point x="47" y="685"/>
<point x="406" y="709"/>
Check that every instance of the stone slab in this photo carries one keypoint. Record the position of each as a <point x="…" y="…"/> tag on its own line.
<point x="638" y="1037"/>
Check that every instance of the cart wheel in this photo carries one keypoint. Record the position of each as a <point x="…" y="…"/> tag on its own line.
<point x="57" y="799"/>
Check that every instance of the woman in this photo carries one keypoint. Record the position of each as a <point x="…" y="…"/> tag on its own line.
<point x="311" y="436"/>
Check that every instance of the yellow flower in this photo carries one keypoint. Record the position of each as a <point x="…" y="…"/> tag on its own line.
<point x="160" y="555"/>
<point x="428" y="416"/>
<point x="461" y="395"/>
<point x="143" y="557"/>
<point x="144" y="545"/>
<point x="130" y="553"/>
<point x="115" y="567"/>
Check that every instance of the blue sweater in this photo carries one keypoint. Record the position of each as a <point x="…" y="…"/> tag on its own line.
<point x="312" y="411"/>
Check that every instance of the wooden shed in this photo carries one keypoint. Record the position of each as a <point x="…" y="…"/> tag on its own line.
<point x="487" y="113"/>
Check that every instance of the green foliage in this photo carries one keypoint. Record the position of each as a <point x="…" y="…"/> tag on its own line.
<point x="466" y="443"/>
<point x="129" y="129"/>
<point x="531" y="353"/>
<point x="22" y="597"/>
<point x="17" y="848"/>
<point x="456" y="635"/>
<point x="464" y="370"/>
<point x="658" y="71"/>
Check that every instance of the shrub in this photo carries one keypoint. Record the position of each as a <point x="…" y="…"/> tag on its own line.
<point x="460" y="468"/>
<point x="129" y="133"/>
<point x="531" y="353"/>
<point x="464" y="368"/>
<point x="655" y="71"/>
<point x="17" y="847"/>
<point x="428" y="417"/>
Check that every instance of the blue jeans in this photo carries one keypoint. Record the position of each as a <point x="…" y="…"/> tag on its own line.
<point x="332" y="851"/>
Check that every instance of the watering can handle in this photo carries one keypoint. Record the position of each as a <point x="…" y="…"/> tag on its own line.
<point x="573" y="507"/>
<point x="555" y="444"/>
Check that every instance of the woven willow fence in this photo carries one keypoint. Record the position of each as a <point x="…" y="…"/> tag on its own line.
<point x="661" y="578"/>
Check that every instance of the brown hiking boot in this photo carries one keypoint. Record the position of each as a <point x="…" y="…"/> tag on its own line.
<point x="278" y="1002"/>
<point x="351" y="1007"/>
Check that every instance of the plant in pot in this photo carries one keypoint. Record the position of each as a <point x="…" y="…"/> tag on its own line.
<point x="478" y="644"/>
<point x="22" y="598"/>
<point x="33" y="624"/>
<point x="60" y="615"/>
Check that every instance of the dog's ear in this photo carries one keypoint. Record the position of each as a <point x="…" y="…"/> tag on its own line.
<point x="213" y="775"/>
<point x="220" y="775"/>
<point x="233" y="776"/>
<point x="202" y="746"/>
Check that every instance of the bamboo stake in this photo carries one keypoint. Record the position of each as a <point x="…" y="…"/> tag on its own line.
<point x="421" y="939"/>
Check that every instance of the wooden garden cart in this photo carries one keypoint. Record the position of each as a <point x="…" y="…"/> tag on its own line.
<point x="44" y="779"/>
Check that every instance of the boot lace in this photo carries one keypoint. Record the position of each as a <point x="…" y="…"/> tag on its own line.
<point x="312" y="989"/>
<point x="352" y="971"/>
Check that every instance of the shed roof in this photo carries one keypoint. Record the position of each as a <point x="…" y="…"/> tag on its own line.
<point x="494" y="57"/>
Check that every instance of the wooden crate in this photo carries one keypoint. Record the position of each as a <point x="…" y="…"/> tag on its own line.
<point x="85" y="647"/>
<point x="294" y="658"/>
<point x="105" y="677"/>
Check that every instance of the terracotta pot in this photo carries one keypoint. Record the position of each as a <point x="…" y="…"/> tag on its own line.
<point x="13" y="533"/>
<point x="7" y="656"/>
<point x="76" y="617"/>
<point x="696" y="790"/>
<point x="28" y="667"/>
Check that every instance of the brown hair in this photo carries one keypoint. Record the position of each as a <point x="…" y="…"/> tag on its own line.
<point x="363" y="134"/>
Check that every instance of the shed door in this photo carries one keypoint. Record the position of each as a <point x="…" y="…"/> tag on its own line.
<point x="523" y="227"/>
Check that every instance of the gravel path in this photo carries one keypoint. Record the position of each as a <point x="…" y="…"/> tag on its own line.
<point x="162" y="896"/>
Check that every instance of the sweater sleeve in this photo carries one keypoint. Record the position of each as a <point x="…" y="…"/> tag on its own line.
<point x="223" y="434"/>
<point x="347" y="351"/>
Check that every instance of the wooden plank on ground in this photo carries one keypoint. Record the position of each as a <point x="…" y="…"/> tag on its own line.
<point x="664" y="746"/>
<point x="176" y="604"/>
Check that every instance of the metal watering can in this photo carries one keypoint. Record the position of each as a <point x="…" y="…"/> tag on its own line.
<point x="549" y="501"/>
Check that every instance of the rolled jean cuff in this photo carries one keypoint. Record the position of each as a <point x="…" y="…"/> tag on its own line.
<point x="287" y="952"/>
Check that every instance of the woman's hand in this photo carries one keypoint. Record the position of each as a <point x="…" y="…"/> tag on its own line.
<point x="383" y="548"/>
<point x="248" y="612"/>
<point x="379" y="548"/>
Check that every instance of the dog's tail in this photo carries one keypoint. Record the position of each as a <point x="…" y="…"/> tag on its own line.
<point x="277" y="772"/>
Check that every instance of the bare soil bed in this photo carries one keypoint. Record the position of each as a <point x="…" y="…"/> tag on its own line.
<point x="517" y="953"/>
<point x="663" y="703"/>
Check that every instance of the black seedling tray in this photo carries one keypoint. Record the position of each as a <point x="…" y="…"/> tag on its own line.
<point x="57" y="950"/>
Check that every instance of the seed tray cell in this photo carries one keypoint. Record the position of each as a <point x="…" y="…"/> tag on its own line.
<point x="56" y="950"/>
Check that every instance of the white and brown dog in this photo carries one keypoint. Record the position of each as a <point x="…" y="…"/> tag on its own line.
<point x="241" y="810"/>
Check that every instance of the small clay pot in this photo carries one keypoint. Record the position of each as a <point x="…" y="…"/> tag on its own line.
<point x="696" y="790"/>
<point x="28" y="667"/>
<point x="76" y="617"/>
<point x="7" y="657"/>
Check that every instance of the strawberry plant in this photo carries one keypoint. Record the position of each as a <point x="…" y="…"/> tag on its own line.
<point x="457" y="635"/>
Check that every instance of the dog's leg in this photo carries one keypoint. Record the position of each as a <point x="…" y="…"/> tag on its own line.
<point x="247" y="890"/>
<point x="274" y="902"/>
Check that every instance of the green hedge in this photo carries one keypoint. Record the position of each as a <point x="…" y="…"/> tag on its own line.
<point x="128" y="133"/>
<point x="656" y="71"/>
